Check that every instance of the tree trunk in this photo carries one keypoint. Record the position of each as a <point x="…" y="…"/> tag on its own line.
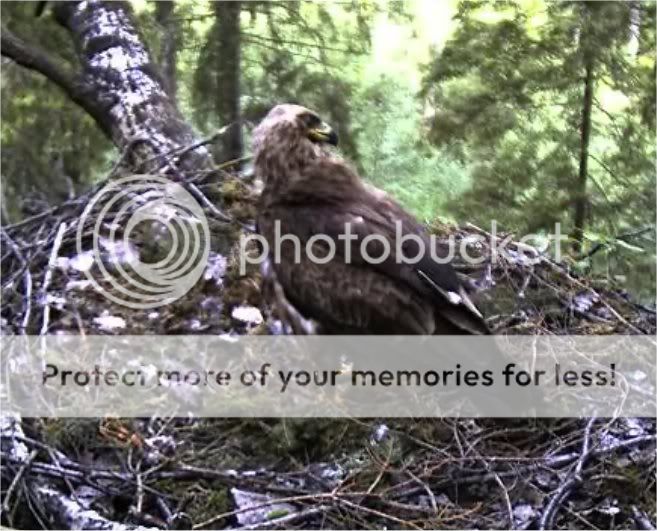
<point x="168" y="53"/>
<point x="117" y="68"/>
<point x="227" y="103"/>
<point x="635" y="28"/>
<point x="118" y="85"/>
<point x="581" y="200"/>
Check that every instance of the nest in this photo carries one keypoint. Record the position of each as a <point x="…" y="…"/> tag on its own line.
<point x="45" y="276"/>
<point x="526" y="291"/>
<point x="335" y="474"/>
<point x="263" y="474"/>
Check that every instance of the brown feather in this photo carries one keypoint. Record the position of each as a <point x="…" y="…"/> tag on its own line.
<point x="311" y="191"/>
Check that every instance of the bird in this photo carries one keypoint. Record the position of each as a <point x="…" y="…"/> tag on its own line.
<point x="310" y="190"/>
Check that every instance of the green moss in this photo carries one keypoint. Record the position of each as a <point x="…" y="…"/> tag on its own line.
<point x="71" y="434"/>
<point x="219" y="501"/>
<point x="277" y="513"/>
<point x="205" y="503"/>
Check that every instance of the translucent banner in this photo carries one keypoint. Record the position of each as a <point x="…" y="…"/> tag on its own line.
<point x="329" y="376"/>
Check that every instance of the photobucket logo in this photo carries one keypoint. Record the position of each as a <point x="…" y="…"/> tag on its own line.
<point x="150" y="241"/>
<point x="403" y="248"/>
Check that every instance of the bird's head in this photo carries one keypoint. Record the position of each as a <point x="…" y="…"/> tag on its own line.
<point x="290" y="146"/>
<point x="294" y="126"/>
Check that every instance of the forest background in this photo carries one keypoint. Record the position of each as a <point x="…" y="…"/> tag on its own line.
<point x="529" y="113"/>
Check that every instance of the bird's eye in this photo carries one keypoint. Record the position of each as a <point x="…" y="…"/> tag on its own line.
<point x="312" y="120"/>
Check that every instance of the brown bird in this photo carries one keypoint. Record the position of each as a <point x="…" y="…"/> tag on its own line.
<point x="310" y="191"/>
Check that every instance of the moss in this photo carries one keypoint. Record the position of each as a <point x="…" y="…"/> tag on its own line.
<point x="320" y="439"/>
<point x="233" y="189"/>
<point x="442" y="227"/>
<point x="219" y="501"/>
<point x="239" y="199"/>
<point x="71" y="434"/>
<point x="204" y="503"/>
<point x="277" y="513"/>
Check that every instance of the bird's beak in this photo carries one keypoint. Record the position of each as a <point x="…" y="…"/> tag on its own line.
<point x="323" y="133"/>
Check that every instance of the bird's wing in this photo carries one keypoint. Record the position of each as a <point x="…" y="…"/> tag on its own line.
<point x="371" y="213"/>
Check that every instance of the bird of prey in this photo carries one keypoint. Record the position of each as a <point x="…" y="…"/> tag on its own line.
<point x="309" y="190"/>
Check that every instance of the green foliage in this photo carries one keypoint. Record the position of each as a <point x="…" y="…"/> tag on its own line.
<point x="474" y="118"/>
<point x="507" y="92"/>
<point x="507" y="95"/>
<point x="290" y="52"/>
<point x="394" y="154"/>
<point x="51" y="149"/>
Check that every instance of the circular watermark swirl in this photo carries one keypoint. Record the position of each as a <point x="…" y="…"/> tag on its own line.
<point x="150" y="241"/>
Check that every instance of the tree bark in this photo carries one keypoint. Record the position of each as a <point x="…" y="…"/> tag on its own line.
<point x="634" y="28"/>
<point x="168" y="53"/>
<point x="118" y="71"/>
<point x="227" y="104"/>
<point x="118" y="85"/>
<point x="581" y="199"/>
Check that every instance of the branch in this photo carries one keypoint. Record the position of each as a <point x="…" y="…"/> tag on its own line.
<point x="36" y="59"/>
<point x="573" y="478"/>
<point x="127" y="89"/>
<point x="624" y="237"/>
<point x="124" y="95"/>
<point x="71" y="513"/>
<point x="303" y="44"/>
<point x="608" y="170"/>
<point x="641" y="519"/>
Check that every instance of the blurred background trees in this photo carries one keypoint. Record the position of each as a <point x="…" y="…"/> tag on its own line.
<point x="551" y="107"/>
<point x="530" y="113"/>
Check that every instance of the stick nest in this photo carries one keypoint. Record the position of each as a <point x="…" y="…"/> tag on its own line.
<point x="267" y="474"/>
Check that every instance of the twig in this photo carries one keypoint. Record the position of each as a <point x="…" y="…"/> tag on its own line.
<point x="641" y="519"/>
<point x="383" y="468"/>
<point x="207" y="203"/>
<point x="535" y="464"/>
<point x="53" y="457"/>
<point x="432" y="497"/>
<point x="498" y="480"/>
<point x="335" y="496"/>
<point x="17" y="253"/>
<point x="509" y="508"/>
<point x="28" y="300"/>
<point x="17" y="478"/>
<point x="48" y="276"/>
<point x="595" y="293"/>
<point x="376" y="513"/>
<point x="574" y="477"/>
<point x="140" y="494"/>
<point x="232" y="162"/>
<point x="168" y="515"/>
<point x="287" y="519"/>
<point x="204" y="141"/>
<point x="268" y="503"/>
<point x="179" y="151"/>
<point x="12" y="245"/>
<point x="35" y="217"/>
<point x="27" y="279"/>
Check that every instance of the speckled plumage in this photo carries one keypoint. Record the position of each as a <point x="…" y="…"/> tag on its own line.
<point x="310" y="190"/>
